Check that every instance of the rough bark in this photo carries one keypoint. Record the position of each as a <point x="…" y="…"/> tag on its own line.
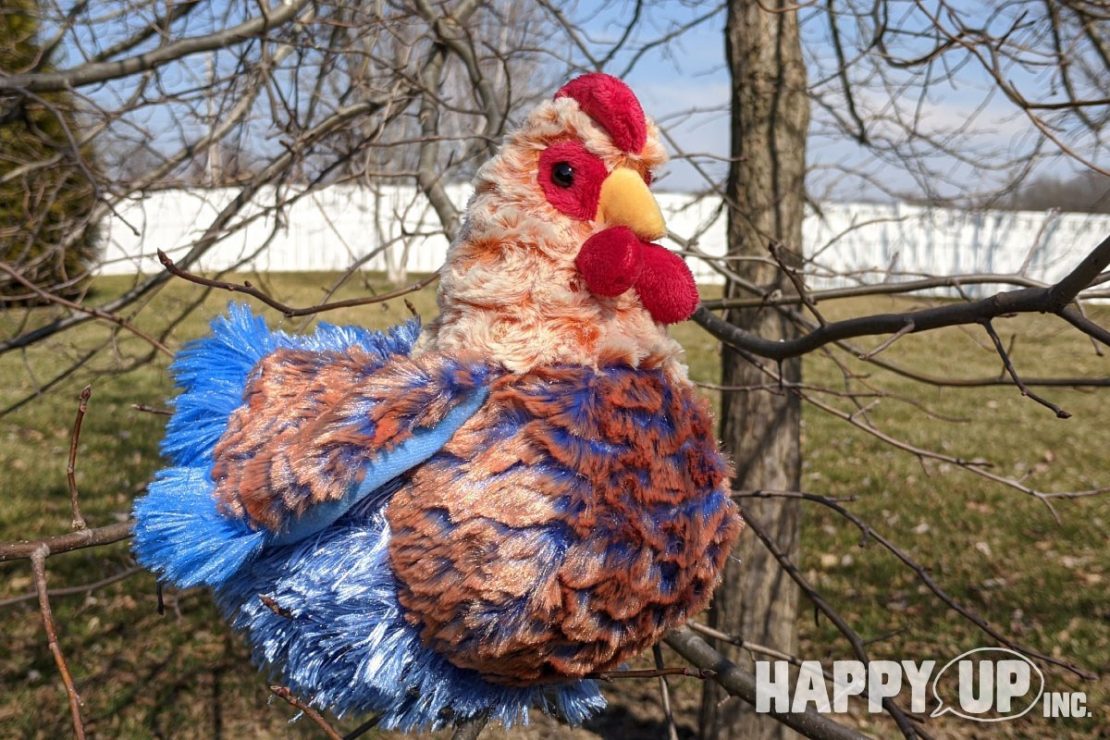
<point x="765" y="190"/>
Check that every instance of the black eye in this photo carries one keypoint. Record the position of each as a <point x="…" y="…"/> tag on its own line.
<point x="562" y="174"/>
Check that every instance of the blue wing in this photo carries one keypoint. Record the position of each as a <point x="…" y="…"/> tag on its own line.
<point x="275" y="437"/>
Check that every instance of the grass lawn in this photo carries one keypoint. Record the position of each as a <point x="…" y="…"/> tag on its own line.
<point x="994" y="549"/>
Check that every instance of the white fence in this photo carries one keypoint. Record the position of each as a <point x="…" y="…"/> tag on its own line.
<point x="850" y="243"/>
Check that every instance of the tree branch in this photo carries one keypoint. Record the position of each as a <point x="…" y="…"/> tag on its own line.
<point x="217" y="228"/>
<point x="1009" y="365"/>
<point x="78" y="540"/>
<point x="1051" y="299"/>
<point x="38" y="570"/>
<point x="664" y="692"/>
<point x="907" y="728"/>
<point x="742" y="685"/>
<point x="78" y="521"/>
<point x="87" y="74"/>
<point x="289" y="311"/>
<point x="90" y="313"/>
<point x="922" y="573"/>
<point x="75" y="590"/>
<point x="325" y="726"/>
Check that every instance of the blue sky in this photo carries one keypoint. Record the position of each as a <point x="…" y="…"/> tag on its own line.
<point x="689" y="73"/>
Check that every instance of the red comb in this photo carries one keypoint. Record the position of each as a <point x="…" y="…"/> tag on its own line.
<point x="613" y="105"/>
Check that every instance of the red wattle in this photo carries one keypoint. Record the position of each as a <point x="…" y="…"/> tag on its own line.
<point x="666" y="286"/>
<point x="610" y="261"/>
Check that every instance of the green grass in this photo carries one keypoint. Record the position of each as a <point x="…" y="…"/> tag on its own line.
<point x="994" y="549"/>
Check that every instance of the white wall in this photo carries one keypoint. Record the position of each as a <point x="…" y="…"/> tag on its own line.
<point x="848" y="244"/>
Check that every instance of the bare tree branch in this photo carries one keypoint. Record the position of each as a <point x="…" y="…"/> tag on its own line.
<point x="93" y="72"/>
<point x="742" y="685"/>
<point x="75" y="590"/>
<point x="78" y="521"/>
<point x="923" y="575"/>
<point x="1051" y="299"/>
<point x="289" y="311"/>
<point x="82" y="538"/>
<point x="38" y="569"/>
<point x="325" y="726"/>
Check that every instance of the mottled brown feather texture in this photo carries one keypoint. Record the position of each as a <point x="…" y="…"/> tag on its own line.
<point x="492" y="594"/>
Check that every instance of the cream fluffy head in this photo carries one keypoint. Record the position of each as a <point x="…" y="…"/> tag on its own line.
<point x="511" y="289"/>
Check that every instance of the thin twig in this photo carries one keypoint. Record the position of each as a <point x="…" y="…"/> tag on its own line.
<point x="96" y="313"/>
<point x="977" y="466"/>
<point x="364" y="728"/>
<point x="921" y="572"/>
<point x="1009" y="365"/>
<point x="652" y="673"/>
<point x="82" y="538"/>
<point x="312" y="714"/>
<point x="78" y="521"/>
<point x="791" y="273"/>
<point x="74" y="590"/>
<point x="885" y="344"/>
<point x="740" y="642"/>
<point x="151" y="409"/>
<point x="665" y="693"/>
<point x="290" y="311"/>
<point x="943" y="382"/>
<point x="897" y="714"/>
<point x="38" y="570"/>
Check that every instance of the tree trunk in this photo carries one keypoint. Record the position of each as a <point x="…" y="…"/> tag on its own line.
<point x="761" y="429"/>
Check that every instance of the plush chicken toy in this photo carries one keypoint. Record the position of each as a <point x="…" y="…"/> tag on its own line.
<point x="478" y="519"/>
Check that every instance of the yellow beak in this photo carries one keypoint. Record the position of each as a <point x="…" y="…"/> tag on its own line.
<point x="626" y="201"/>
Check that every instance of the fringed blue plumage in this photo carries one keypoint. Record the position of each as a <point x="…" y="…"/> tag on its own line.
<point x="347" y="647"/>
<point x="180" y="534"/>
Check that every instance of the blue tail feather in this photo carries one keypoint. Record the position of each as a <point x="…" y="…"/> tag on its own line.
<point x="181" y="536"/>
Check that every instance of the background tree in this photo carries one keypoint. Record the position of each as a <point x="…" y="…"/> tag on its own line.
<point x="1084" y="191"/>
<point x="765" y="193"/>
<point x="871" y="64"/>
<point x="47" y="186"/>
